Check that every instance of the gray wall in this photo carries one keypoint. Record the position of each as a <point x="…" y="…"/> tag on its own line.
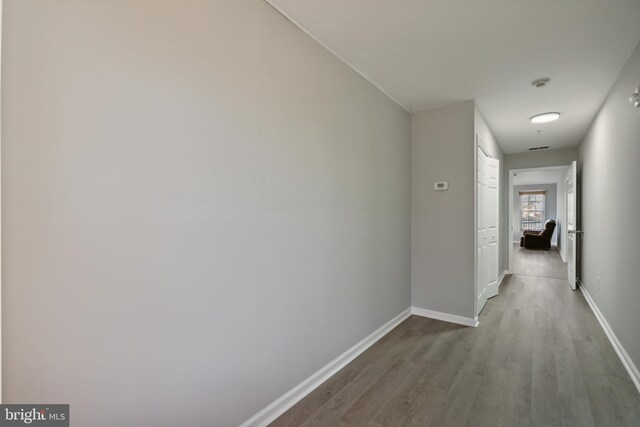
<point x="609" y="173"/>
<point x="201" y="207"/>
<point x="561" y="213"/>
<point x="442" y="222"/>
<point x="533" y="159"/>
<point x="551" y="211"/>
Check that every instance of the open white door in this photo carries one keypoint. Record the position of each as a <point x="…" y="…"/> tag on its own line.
<point x="487" y="223"/>
<point x="481" y="282"/>
<point x="571" y="186"/>
<point x="491" y="221"/>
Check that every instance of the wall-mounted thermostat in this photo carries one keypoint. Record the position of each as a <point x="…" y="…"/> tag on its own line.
<point x="441" y="186"/>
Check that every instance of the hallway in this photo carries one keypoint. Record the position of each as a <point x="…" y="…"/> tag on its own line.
<point x="539" y="357"/>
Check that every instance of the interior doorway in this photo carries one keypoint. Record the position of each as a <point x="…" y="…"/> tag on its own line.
<point x="538" y="222"/>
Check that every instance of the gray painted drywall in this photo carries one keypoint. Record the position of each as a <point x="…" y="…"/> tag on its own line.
<point x="610" y="202"/>
<point x="442" y="222"/>
<point x="492" y="148"/>
<point x="534" y="159"/>
<point x="561" y="214"/>
<point x="551" y="201"/>
<point x="201" y="207"/>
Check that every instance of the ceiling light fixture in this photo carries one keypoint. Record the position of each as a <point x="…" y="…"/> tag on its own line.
<point x="545" y="118"/>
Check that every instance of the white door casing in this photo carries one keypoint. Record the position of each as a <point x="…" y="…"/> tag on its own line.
<point x="514" y="224"/>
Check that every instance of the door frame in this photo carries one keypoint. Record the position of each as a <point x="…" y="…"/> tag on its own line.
<point x="511" y="174"/>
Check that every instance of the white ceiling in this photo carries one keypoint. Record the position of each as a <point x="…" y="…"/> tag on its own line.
<point x="429" y="53"/>
<point x="539" y="177"/>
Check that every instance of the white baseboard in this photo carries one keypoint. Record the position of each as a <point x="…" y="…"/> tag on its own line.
<point x="451" y="318"/>
<point x="293" y="396"/>
<point x="622" y="353"/>
<point x="502" y="276"/>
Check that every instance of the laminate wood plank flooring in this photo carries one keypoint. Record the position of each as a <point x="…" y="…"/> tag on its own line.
<point x="538" y="358"/>
<point x="538" y="263"/>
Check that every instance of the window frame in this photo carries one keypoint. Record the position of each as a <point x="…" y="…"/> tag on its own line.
<point x="540" y="210"/>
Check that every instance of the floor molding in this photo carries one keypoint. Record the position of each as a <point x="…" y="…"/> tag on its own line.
<point x="620" y="351"/>
<point x="502" y="276"/>
<point x="293" y="396"/>
<point x="451" y="318"/>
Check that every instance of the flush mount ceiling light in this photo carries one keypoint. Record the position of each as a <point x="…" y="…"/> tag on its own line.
<point x="545" y="118"/>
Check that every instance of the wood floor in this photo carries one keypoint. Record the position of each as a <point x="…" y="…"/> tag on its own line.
<point x="538" y="263"/>
<point x="538" y="358"/>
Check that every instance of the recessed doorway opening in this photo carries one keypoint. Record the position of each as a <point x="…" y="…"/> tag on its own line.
<point x="538" y="222"/>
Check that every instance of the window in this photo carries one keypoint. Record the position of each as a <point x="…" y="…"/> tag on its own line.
<point x="532" y="210"/>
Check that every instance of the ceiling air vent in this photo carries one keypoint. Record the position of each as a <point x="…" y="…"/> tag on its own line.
<point x="545" y="147"/>
<point x="540" y="83"/>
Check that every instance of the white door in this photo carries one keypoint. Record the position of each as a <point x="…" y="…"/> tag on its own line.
<point x="487" y="228"/>
<point x="491" y="223"/>
<point x="481" y="283"/>
<point x="571" y="185"/>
